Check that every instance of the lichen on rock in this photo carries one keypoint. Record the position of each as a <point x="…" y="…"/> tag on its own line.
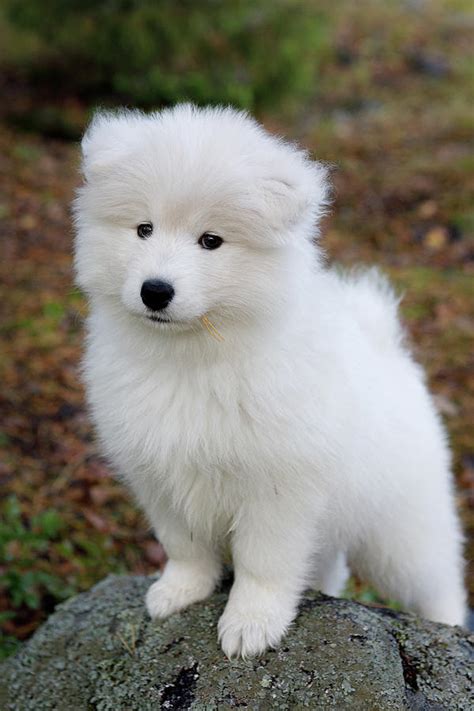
<point x="100" y="651"/>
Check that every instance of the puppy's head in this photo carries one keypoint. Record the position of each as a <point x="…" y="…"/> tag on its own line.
<point x="191" y="212"/>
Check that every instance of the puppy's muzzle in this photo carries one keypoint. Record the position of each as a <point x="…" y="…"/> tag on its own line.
<point x="156" y="294"/>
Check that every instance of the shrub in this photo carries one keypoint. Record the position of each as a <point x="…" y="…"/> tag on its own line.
<point x="251" y="53"/>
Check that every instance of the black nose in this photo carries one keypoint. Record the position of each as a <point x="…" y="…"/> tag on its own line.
<point x="156" y="294"/>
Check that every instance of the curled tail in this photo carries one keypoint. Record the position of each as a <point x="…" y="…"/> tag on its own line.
<point x="375" y="306"/>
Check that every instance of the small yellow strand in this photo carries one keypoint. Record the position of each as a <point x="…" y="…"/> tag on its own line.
<point x="212" y="329"/>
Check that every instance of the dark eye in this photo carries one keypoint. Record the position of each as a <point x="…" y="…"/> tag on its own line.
<point x="210" y="241"/>
<point x="144" y="230"/>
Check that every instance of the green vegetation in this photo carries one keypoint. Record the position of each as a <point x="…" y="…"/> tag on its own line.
<point x="45" y="558"/>
<point x="251" y="54"/>
<point x="22" y="545"/>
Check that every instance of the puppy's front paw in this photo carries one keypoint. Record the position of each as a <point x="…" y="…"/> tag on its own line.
<point x="180" y="585"/>
<point x="253" y="622"/>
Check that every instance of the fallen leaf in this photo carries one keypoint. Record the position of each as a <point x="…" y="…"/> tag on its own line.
<point x="436" y="238"/>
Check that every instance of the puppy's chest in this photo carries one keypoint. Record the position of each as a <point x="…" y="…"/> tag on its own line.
<point x="193" y="415"/>
<point x="175" y="418"/>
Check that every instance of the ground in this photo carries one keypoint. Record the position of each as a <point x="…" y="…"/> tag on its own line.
<point x="392" y="112"/>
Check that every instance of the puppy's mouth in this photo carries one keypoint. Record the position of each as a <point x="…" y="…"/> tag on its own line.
<point x="163" y="320"/>
<point x="159" y="319"/>
<point x="169" y="323"/>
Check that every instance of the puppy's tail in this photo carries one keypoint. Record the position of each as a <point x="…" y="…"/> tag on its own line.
<point x="375" y="305"/>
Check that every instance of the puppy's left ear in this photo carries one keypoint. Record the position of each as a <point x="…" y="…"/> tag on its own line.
<point x="295" y="190"/>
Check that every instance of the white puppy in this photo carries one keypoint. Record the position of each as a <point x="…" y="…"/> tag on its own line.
<point x="248" y="395"/>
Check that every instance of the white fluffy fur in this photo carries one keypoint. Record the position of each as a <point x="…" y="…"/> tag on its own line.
<point x="307" y="438"/>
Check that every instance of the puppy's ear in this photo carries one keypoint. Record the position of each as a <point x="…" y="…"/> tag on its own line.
<point x="295" y="190"/>
<point x="108" y="138"/>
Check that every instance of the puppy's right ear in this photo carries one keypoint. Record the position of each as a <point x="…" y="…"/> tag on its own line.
<point x="108" y="138"/>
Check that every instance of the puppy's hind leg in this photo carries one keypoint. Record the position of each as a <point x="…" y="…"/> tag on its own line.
<point x="330" y="573"/>
<point x="419" y="565"/>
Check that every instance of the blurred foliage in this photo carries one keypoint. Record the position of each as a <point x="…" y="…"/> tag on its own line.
<point x="22" y="580"/>
<point x="20" y="546"/>
<point x="248" y="53"/>
<point x="45" y="558"/>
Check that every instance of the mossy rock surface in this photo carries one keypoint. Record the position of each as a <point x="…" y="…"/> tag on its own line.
<point x="99" y="650"/>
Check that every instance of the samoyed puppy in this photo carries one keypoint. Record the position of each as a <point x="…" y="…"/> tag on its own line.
<point x="252" y="398"/>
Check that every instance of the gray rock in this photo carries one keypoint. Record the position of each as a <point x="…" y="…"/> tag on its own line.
<point x="100" y="651"/>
